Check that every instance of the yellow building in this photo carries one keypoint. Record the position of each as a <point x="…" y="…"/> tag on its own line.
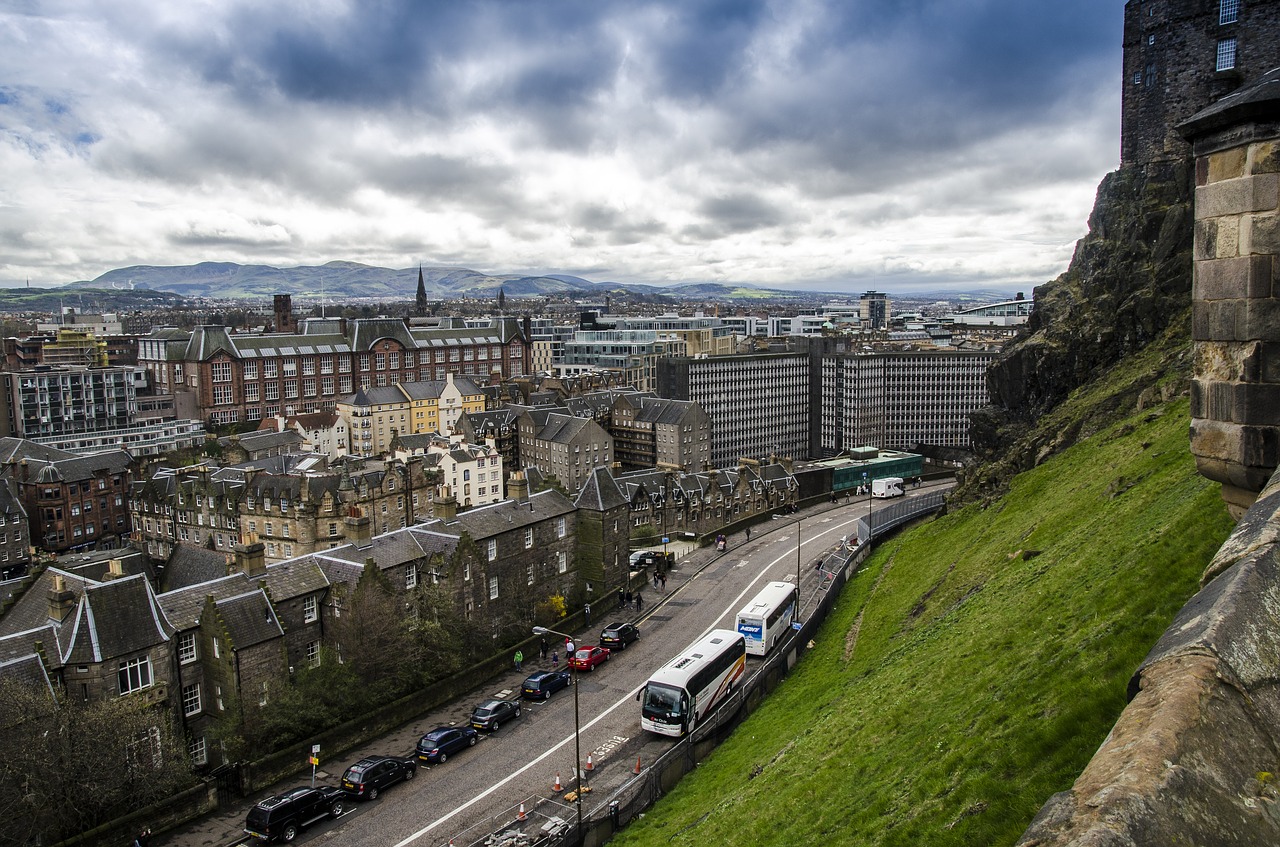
<point x="376" y="415"/>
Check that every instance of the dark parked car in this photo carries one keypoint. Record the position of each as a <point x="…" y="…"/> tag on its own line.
<point x="541" y="685"/>
<point x="616" y="636"/>
<point x="439" y="743"/>
<point x="491" y="713"/>
<point x="282" y="816"/>
<point x="366" y="778"/>
<point x="587" y="658"/>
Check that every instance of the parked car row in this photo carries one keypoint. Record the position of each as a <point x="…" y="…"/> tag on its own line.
<point x="282" y="816"/>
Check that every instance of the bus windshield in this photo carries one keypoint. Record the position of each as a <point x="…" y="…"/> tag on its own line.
<point x="662" y="701"/>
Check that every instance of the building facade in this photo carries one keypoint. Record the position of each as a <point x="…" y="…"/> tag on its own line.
<point x="49" y="401"/>
<point x="250" y="376"/>
<point x="1182" y="55"/>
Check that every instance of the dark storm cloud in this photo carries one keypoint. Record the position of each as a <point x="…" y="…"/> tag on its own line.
<point x="577" y="134"/>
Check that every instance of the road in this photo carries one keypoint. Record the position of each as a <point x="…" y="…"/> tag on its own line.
<point x="480" y="788"/>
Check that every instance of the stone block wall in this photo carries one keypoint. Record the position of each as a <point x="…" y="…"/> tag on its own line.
<point x="1235" y="396"/>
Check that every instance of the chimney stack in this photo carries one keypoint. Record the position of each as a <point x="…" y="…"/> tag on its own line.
<point x="62" y="600"/>
<point x="359" y="528"/>
<point x="115" y="570"/>
<point x="446" y="505"/>
<point x="251" y="556"/>
<point x="518" y="487"/>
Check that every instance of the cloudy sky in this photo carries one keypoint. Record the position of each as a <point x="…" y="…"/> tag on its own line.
<point x="830" y="144"/>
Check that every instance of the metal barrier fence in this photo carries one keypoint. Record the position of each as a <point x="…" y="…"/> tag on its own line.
<point x="637" y="794"/>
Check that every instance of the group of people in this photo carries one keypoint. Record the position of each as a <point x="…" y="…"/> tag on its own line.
<point x="626" y="598"/>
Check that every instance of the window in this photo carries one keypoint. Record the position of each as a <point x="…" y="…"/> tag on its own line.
<point x="493" y="588"/>
<point x="1228" y="11"/>
<point x="198" y="752"/>
<point x="411" y="576"/>
<point x="251" y="392"/>
<point x="562" y="561"/>
<point x="560" y="527"/>
<point x="134" y="675"/>
<point x="250" y="370"/>
<point x="191" y="699"/>
<point x="529" y="572"/>
<point x="493" y="549"/>
<point x="217" y="690"/>
<point x="528" y="538"/>
<point x="221" y="371"/>
<point x="310" y="609"/>
<point x="1226" y="54"/>
<point x="313" y="654"/>
<point x="269" y="368"/>
<point x="187" y="647"/>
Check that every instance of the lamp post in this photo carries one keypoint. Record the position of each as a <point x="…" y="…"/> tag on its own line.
<point x="577" y="728"/>
<point x="799" y="520"/>
<point x="867" y="485"/>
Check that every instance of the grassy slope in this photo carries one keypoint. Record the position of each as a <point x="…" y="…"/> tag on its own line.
<point x="977" y="683"/>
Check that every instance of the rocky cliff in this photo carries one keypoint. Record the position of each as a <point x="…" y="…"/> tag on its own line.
<point x="1128" y="287"/>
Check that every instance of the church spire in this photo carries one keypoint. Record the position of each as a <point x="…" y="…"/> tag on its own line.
<point x="420" y="304"/>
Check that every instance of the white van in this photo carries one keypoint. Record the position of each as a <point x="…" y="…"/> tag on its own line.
<point x="889" y="486"/>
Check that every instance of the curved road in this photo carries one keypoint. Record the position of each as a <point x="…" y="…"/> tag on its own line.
<point x="480" y="788"/>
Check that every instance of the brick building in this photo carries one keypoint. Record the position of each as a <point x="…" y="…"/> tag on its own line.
<point x="231" y="377"/>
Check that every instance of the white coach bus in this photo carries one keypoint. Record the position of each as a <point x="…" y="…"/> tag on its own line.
<point x="768" y="616"/>
<point x="684" y="690"/>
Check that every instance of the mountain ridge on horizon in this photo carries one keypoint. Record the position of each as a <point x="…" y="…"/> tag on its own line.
<point x="342" y="278"/>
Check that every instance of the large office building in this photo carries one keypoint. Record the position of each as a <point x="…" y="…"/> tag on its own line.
<point x="46" y="401"/>
<point x="821" y="403"/>
<point x="759" y="405"/>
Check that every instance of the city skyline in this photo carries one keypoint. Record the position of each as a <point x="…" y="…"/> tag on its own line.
<point x="838" y="147"/>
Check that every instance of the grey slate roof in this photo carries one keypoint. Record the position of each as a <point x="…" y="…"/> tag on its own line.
<point x="114" y="619"/>
<point x="600" y="492"/>
<point x="14" y="450"/>
<point x="191" y="565"/>
<point x="249" y="619"/>
<point x="80" y="468"/>
<point x="283" y="580"/>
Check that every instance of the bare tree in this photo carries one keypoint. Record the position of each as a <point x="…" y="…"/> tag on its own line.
<point x="70" y="766"/>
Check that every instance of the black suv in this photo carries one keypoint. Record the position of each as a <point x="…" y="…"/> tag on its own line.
<point x="367" y="777"/>
<point x="619" y="635"/>
<point x="491" y="713"/>
<point x="282" y="816"/>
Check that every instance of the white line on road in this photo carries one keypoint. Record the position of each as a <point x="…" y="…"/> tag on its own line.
<point x="731" y="609"/>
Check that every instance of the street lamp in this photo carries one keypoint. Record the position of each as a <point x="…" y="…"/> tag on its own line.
<point x="577" y="727"/>
<point x="868" y="487"/>
<point x="799" y="520"/>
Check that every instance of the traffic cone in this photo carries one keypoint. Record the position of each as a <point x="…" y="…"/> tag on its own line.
<point x="520" y="816"/>
<point x="590" y="766"/>
<point x="637" y="770"/>
<point x="557" y="788"/>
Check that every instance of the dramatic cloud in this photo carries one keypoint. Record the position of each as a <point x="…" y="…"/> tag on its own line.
<point x="835" y="144"/>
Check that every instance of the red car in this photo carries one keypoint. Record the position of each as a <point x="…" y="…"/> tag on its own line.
<point x="586" y="658"/>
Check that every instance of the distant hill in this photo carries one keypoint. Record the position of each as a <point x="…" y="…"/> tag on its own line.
<point x="355" y="280"/>
<point x="85" y="297"/>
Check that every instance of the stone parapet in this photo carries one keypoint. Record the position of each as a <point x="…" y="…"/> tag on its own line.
<point x="1195" y="755"/>
<point x="1235" y="324"/>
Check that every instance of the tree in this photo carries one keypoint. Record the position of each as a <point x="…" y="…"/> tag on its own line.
<point x="69" y="766"/>
<point x="372" y="636"/>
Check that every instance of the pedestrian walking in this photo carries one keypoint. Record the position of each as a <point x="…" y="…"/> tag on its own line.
<point x="628" y="599"/>
<point x="655" y="579"/>
<point x="519" y="660"/>
<point x="586" y="613"/>
<point x="542" y="646"/>
<point x="748" y="533"/>
<point x="568" y="649"/>
<point x="142" y="839"/>
<point x="555" y="659"/>
<point x="664" y="582"/>
<point x="639" y="602"/>
<point x="621" y="598"/>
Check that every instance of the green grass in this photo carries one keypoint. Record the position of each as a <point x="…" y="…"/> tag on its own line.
<point x="981" y="681"/>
